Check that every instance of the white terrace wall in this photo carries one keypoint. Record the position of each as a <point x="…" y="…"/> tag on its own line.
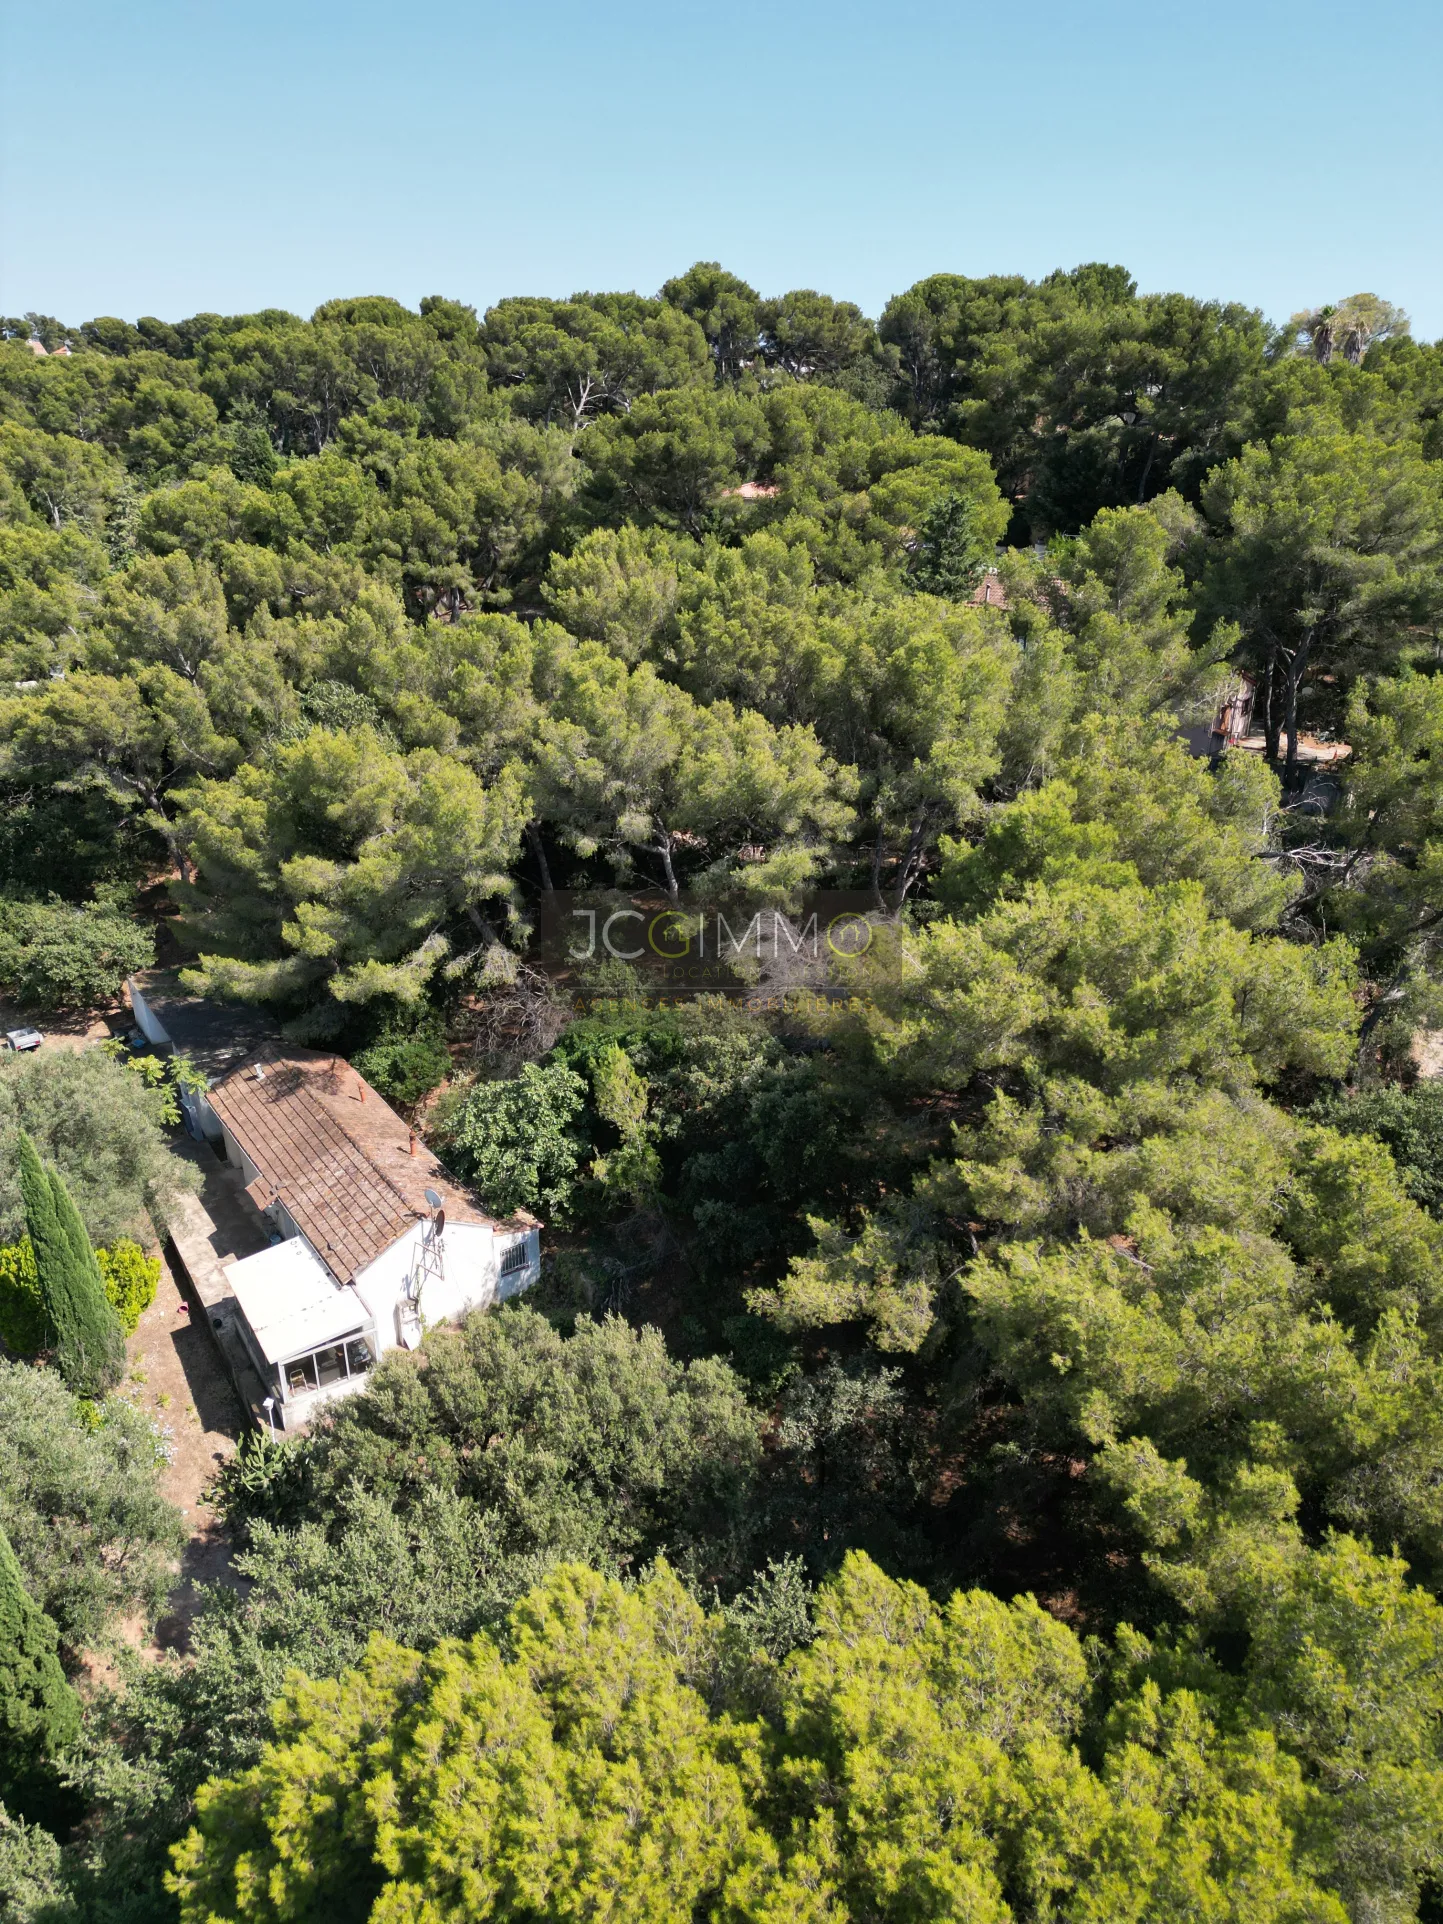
<point x="203" y="1119"/>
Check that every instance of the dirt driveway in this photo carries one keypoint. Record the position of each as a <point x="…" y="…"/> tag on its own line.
<point x="176" y="1377"/>
<point x="74" y="1032"/>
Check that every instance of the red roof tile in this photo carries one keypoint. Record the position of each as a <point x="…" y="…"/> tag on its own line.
<point x="334" y="1153"/>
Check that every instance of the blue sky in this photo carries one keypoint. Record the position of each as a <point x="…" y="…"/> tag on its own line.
<point x="171" y="156"/>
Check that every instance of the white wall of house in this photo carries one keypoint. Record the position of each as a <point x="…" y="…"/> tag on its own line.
<point x="201" y="1118"/>
<point x="197" y="1104"/>
<point x="515" y="1280"/>
<point x="146" y="1020"/>
<point x="468" y="1256"/>
<point x="471" y="1279"/>
<point x="235" y="1154"/>
<point x="382" y="1284"/>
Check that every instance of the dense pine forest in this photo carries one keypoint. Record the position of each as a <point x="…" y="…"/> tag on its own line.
<point x="975" y="1451"/>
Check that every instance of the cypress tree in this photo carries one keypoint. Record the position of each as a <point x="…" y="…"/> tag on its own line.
<point x="39" y="1712"/>
<point x="88" y="1341"/>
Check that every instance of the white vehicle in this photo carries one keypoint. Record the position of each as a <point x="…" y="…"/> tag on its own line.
<point x="20" y="1039"/>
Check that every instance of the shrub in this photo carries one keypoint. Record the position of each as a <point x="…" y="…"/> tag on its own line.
<point x="55" y="956"/>
<point x="406" y="1067"/>
<point x="131" y="1279"/>
<point x="31" y="1886"/>
<point x="267" y="1477"/>
<point x="517" y="1141"/>
<point x="80" y="1501"/>
<point x="23" y="1328"/>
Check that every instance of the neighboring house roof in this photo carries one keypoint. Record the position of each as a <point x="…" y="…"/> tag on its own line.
<point x="291" y="1300"/>
<point x="334" y="1154"/>
<point x="989" y="592"/>
<point x="214" y="1036"/>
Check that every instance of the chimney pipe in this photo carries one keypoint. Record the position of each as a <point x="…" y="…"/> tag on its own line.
<point x="361" y="1087"/>
<point x="413" y="1142"/>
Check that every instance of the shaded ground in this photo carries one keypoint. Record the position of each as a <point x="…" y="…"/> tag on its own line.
<point x="233" y="1227"/>
<point x="74" y="1031"/>
<point x="176" y="1378"/>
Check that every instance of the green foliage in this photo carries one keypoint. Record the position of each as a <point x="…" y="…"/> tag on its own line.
<point x="39" y="1712"/>
<point x="331" y="864"/>
<point x="1098" y="977"/>
<point x="1084" y="394"/>
<point x="102" y="1129"/>
<point x="517" y="1141"/>
<point x="633" y="1169"/>
<point x="129" y="1276"/>
<point x="81" y="1325"/>
<point x="265" y="1476"/>
<point x="916" y="1763"/>
<point x="313" y="1597"/>
<point x="1329" y="559"/>
<point x="727" y="311"/>
<point x="405" y="1061"/>
<point x="1158" y="810"/>
<point x="56" y="957"/>
<point x="952" y="552"/>
<point x="131" y="1279"/>
<point x="80" y="1500"/>
<point x="30" y="1874"/>
<point x="617" y="586"/>
<point x="1408" y="1121"/>
<point x="599" y="1445"/>
<point x="1335" y="1650"/>
<point x="628" y="762"/>
<point x="23" y="1327"/>
<point x="167" y="1077"/>
<point x="570" y="361"/>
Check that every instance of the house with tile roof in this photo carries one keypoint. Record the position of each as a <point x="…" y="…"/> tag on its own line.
<point x="371" y="1240"/>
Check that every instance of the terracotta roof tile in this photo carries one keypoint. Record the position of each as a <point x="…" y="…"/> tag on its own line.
<point x="341" y="1202"/>
<point x="345" y="1165"/>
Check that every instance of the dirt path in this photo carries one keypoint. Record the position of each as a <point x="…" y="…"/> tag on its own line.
<point x="176" y="1378"/>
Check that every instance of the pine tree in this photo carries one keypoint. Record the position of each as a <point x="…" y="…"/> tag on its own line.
<point x="39" y="1712"/>
<point x="89" y="1344"/>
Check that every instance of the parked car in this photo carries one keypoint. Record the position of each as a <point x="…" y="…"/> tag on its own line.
<point x="20" y="1039"/>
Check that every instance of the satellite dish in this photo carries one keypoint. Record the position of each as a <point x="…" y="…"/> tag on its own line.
<point x="440" y="1221"/>
<point x="433" y="1198"/>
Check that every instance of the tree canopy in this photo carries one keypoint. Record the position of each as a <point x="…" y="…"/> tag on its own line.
<point x="973" y="1450"/>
